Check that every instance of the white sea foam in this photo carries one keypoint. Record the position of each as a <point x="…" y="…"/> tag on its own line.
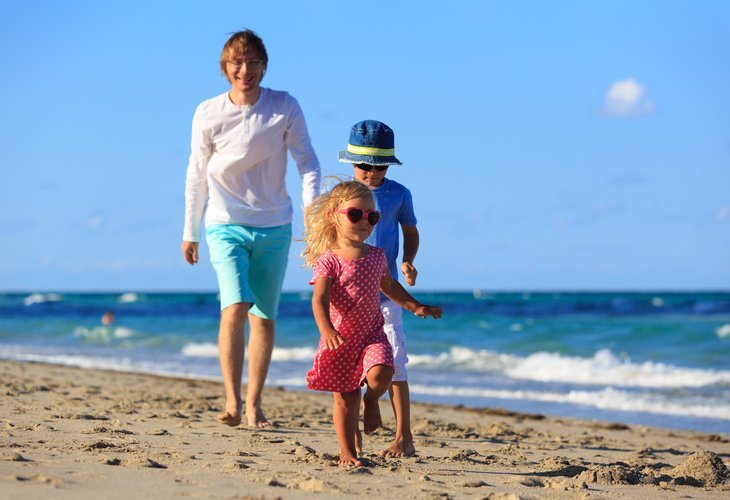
<point x="605" y="399"/>
<point x="104" y="363"/>
<point x="464" y="358"/>
<point x="723" y="331"/>
<point x="103" y="333"/>
<point x="122" y="332"/>
<point x="210" y="350"/>
<point x="605" y="368"/>
<point x="128" y="297"/>
<point x="200" y="350"/>
<point x="39" y="298"/>
<point x="293" y="354"/>
<point x="289" y="381"/>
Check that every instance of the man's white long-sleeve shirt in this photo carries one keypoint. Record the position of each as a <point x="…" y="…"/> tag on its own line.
<point x="238" y="162"/>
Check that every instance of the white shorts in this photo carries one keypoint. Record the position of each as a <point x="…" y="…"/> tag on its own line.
<point x="393" y="315"/>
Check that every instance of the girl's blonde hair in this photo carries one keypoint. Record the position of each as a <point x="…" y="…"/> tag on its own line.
<point x="321" y="228"/>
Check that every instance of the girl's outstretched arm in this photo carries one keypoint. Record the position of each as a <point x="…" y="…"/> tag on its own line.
<point x="321" y="311"/>
<point x="399" y="295"/>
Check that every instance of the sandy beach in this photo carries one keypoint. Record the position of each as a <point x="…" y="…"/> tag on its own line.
<point x="80" y="433"/>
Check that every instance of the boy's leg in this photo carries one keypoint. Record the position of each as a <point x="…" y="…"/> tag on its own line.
<point x="399" y="391"/>
<point x="379" y="378"/>
<point x="400" y="398"/>
<point x="345" y="413"/>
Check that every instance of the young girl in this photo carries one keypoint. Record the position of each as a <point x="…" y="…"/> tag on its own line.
<point x="348" y="277"/>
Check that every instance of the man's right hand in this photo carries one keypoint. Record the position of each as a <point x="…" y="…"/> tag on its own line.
<point x="190" y="252"/>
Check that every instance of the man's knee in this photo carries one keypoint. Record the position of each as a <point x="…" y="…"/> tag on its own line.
<point x="261" y="325"/>
<point x="235" y="314"/>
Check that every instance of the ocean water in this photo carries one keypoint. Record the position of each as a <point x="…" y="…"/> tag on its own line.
<point x="651" y="358"/>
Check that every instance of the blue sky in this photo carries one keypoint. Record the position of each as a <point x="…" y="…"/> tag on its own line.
<point x="548" y="145"/>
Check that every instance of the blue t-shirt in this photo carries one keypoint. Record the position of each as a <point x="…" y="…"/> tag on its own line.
<point x="396" y="208"/>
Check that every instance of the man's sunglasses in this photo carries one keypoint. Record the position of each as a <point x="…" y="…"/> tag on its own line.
<point x="355" y="215"/>
<point x="368" y="168"/>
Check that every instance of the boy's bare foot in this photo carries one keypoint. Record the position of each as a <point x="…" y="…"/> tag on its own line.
<point x="349" y="460"/>
<point x="371" y="416"/>
<point x="229" y="418"/>
<point x="399" y="448"/>
<point x="255" y="417"/>
<point x="358" y="441"/>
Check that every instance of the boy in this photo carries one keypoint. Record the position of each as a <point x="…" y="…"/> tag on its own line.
<point x="371" y="150"/>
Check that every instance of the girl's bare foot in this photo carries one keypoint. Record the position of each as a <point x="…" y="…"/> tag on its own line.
<point x="349" y="460"/>
<point x="255" y="417"/>
<point x="371" y="416"/>
<point x="229" y="418"/>
<point x="399" y="448"/>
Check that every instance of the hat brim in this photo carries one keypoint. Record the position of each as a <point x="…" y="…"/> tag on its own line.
<point x="347" y="157"/>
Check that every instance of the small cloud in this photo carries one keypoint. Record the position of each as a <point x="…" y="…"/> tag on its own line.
<point x="95" y="222"/>
<point x="723" y="214"/>
<point x="478" y="217"/>
<point x="626" y="99"/>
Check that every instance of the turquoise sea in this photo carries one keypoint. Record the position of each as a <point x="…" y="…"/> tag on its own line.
<point x="652" y="358"/>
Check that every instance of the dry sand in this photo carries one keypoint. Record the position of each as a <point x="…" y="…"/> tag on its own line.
<point x="76" y="433"/>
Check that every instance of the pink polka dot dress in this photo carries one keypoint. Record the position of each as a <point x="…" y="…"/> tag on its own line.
<point x="355" y="313"/>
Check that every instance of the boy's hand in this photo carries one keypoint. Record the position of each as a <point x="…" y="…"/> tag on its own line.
<point x="332" y="340"/>
<point x="409" y="272"/>
<point x="422" y="311"/>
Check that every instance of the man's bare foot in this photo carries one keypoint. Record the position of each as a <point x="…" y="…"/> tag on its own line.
<point x="399" y="448"/>
<point x="348" y="460"/>
<point x="358" y="441"/>
<point x="229" y="418"/>
<point x="255" y="417"/>
<point x="371" y="416"/>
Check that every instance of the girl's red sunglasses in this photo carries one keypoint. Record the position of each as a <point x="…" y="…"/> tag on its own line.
<point x="355" y="215"/>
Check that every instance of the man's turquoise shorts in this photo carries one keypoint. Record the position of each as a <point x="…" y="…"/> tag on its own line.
<point x="250" y="263"/>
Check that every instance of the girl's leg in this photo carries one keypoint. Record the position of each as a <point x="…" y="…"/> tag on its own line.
<point x="345" y="414"/>
<point x="378" y="380"/>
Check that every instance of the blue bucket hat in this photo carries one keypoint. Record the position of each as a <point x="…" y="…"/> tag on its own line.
<point x="371" y="142"/>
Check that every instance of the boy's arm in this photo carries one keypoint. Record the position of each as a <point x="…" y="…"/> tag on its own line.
<point x="321" y="312"/>
<point x="400" y="296"/>
<point x="411" y="241"/>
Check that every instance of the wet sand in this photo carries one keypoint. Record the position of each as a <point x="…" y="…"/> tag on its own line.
<point x="80" y="433"/>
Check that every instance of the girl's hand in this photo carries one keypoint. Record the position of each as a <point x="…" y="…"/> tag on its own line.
<point x="422" y="311"/>
<point x="332" y="340"/>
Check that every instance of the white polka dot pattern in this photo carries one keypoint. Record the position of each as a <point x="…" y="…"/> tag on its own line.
<point x="355" y="313"/>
